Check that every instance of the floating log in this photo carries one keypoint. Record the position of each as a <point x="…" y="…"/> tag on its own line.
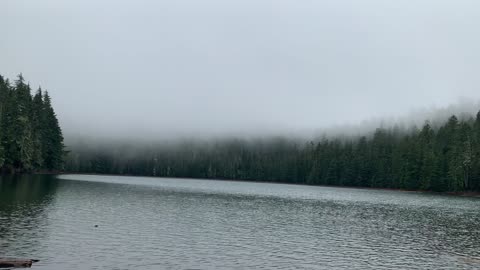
<point x="16" y="263"/>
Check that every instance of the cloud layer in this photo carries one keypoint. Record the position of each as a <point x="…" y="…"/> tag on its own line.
<point x="179" y="67"/>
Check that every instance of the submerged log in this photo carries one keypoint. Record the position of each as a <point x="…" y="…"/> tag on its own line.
<point x="16" y="263"/>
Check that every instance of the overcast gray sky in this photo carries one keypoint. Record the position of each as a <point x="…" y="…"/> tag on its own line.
<point x="227" y="66"/>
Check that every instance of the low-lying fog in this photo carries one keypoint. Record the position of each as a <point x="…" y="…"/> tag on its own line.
<point x="181" y="68"/>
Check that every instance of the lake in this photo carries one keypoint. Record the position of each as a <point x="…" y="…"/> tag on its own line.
<point x="110" y="222"/>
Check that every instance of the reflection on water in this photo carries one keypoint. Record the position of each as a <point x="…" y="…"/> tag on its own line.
<point x="151" y="223"/>
<point x="23" y="219"/>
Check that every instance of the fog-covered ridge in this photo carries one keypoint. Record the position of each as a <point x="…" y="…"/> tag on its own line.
<point x="182" y="68"/>
<point x="441" y="158"/>
<point x="464" y="109"/>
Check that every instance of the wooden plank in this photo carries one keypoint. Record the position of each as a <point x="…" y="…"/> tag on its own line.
<point x="16" y="263"/>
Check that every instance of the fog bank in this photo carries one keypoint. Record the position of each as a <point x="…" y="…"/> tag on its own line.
<point x="181" y="68"/>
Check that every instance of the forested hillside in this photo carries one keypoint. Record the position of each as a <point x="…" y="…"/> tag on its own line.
<point x="30" y="136"/>
<point x="446" y="158"/>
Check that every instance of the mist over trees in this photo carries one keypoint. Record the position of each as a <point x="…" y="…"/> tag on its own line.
<point x="30" y="136"/>
<point x="441" y="158"/>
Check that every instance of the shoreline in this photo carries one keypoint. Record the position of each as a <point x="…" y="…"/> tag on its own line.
<point x="471" y="194"/>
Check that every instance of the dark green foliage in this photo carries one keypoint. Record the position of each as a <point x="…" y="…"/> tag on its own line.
<point x="475" y="170"/>
<point x="30" y="137"/>
<point x="53" y="151"/>
<point x="446" y="158"/>
<point x="3" y="98"/>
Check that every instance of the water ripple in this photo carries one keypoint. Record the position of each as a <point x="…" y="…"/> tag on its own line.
<point x="147" y="223"/>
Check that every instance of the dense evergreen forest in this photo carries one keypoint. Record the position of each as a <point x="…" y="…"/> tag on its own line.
<point x="441" y="158"/>
<point x="30" y="136"/>
<point x="444" y="158"/>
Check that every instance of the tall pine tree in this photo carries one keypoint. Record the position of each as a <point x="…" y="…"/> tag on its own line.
<point x="30" y="134"/>
<point x="52" y="137"/>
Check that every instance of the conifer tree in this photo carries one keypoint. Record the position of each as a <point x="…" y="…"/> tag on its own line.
<point x="53" y="138"/>
<point x="27" y="125"/>
<point x="24" y="132"/>
<point x="475" y="177"/>
<point x="3" y="97"/>
<point x="38" y="128"/>
<point x="428" y="163"/>
<point x="453" y="154"/>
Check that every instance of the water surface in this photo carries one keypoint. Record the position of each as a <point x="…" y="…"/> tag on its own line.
<point x="159" y="223"/>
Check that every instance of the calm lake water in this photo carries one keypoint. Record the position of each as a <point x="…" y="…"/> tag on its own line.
<point x="159" y="223"/>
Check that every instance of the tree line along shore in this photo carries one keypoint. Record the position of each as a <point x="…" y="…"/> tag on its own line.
<point x="443" y="158"/>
